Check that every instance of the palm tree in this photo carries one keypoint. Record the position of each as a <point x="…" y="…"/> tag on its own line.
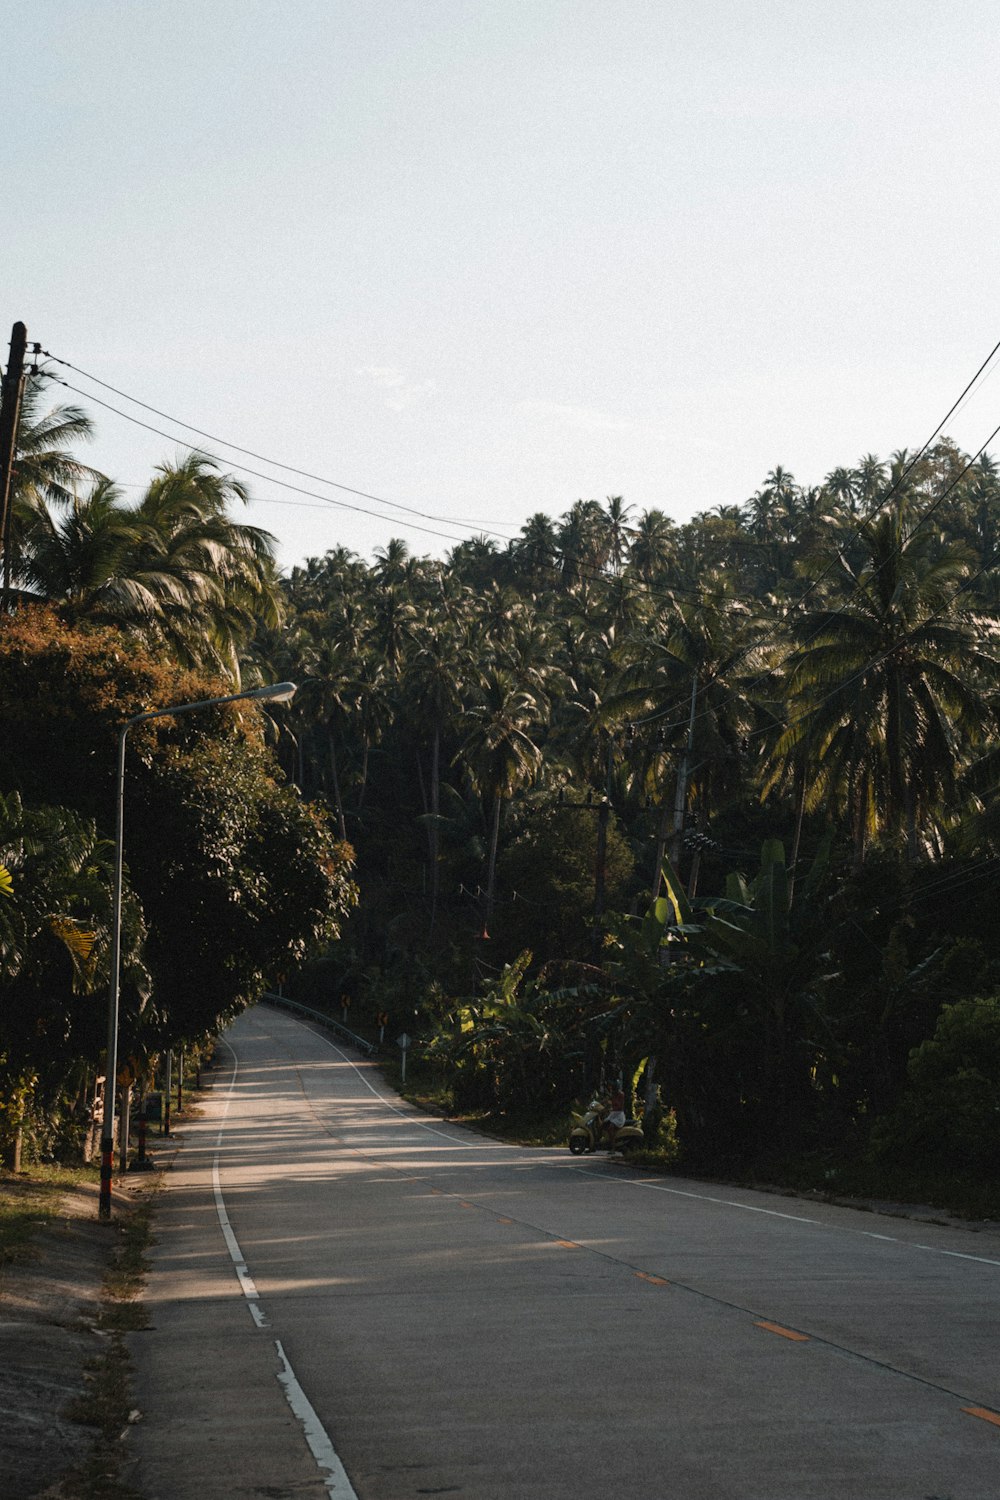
<point x="202" y="563"/>
<point x="693" y="682"/>
<point x="174" y="570"/>
<point x="616" y="518"/>
<point x="535" y="549"/>
<point x="391" y="561"/>
<point x="771" y="510"/>
<point x="583" y="542"/>
<point x="500" y="754"/>
<point x="653" y="546"/>
<point x="841" y="485"/>
<point x="45" y="471"/>
<point x="432" y="683"/>
<point x="891" y="683"/>
<point x="869" y="481"/>
<point x="83" y="558"/>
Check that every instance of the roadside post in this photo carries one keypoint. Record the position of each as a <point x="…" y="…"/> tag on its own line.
<point x="143" y="1162"/>
<point x="167" y="1088"/>
<point x="403" y="1043"/>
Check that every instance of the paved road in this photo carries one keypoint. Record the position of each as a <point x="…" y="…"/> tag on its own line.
<point x="351" y="1299"/>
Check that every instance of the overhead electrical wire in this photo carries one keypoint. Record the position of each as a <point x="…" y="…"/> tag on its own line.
<point x="268" y="478"/>
<point x="250" y="452"/>
<point x="316" y="501"/>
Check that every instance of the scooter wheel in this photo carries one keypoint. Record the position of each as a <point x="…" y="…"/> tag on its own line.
<point x="577" y="1144"/>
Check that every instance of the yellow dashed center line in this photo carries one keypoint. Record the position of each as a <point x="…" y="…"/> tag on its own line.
<point x="786" y="1333"/>
<point x="984" y="1413"/>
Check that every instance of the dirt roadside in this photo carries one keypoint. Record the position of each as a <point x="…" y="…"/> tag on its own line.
<point x="50" y="1307"/>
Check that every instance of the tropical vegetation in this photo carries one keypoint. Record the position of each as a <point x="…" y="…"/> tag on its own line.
<point x="709" y="807"/>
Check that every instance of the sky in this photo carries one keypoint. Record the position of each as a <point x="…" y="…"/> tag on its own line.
<point x="484" y="258"/>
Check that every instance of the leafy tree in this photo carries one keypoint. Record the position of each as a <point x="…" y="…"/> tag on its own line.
<point x="237" y="879"/>
<point x="948" y="1115"/>
<point x="548" y="873"/>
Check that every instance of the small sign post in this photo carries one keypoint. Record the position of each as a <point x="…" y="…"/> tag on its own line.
<point x="403" y="1043"/>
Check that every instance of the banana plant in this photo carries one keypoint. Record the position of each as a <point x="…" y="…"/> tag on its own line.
<point x="727" y="990"/>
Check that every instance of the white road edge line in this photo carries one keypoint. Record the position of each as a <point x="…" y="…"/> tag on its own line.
<point x="338" y="1485"/>
<point x="232" y="1243"/>
<point x="420" y="1124"/>
<point x="773" y="1213"/>
<point x="750" y="1208"/>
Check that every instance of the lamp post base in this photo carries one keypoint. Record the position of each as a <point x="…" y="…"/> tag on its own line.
<point x="107" y="1173"/>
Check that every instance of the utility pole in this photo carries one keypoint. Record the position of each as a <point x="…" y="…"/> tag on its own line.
<point x="10" y="412"/>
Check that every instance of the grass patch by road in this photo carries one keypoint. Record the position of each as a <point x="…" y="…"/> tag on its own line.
<point x="32" y="1198"/>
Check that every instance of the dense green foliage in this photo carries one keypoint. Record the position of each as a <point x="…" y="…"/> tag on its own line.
<point x="807" y="683"/>
<point x="231" y="877"/>
<point x="789" y="705"/>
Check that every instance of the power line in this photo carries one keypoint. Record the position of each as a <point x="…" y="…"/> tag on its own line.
<point x="637" y="587"/>
<point x="268" y="478"/>
<point x="249" y="452"/>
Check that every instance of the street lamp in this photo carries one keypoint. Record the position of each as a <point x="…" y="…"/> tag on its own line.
<point x="279" y="692"/>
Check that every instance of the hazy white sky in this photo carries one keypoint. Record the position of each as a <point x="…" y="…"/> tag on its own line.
<point x="488" y="257"/>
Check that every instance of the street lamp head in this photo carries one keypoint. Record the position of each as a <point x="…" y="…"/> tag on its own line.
<point x="273" y="692"/>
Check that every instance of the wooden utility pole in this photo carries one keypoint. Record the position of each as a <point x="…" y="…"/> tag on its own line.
<point x="10" y="412"/>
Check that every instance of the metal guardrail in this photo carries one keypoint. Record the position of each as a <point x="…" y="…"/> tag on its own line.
<point x="369" y="1048"/>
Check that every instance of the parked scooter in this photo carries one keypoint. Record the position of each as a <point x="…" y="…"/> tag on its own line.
<point x="589" y="1133"/>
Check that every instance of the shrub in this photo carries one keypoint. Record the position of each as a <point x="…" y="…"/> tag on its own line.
<point x="949" y="1114"/>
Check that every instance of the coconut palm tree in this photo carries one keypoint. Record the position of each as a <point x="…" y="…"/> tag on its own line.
<point x="693" y="681"/>
<point x="891" y="684"/>
<point x="45" y="470"/>
<point x="500" y="753"/>
<point x="616" y="516"/>
<point x="535" y="550"/>
<point x="215" y="578"/>
<point x="433" y="679"/>
<point x="174" y="570"/>
<point x="654" y="541"/>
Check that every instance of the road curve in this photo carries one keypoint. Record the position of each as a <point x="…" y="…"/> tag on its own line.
<point x="351" y="1299"/>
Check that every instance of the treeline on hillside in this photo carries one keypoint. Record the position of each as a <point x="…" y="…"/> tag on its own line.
<point x="711" y="807"/>
<point x="514" y="738"/>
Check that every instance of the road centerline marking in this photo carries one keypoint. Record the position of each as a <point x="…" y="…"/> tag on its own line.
<point x="785" y="1333"/>
<point x="983" y="1413"/>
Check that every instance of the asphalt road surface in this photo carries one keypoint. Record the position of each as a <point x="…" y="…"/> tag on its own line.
<point x="351" y="1299"/>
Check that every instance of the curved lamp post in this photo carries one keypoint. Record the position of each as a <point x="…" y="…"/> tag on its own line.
<point x="279" y="692"/>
